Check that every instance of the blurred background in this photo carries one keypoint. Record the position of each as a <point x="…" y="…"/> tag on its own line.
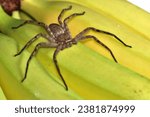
<point x="144" y="4"/>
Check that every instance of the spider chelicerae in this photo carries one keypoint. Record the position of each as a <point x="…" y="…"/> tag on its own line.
<point x="58" y="36"/>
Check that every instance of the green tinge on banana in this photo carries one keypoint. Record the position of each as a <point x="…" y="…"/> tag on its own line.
<point x="16" y="15"/>
<point x="88" y="74"/>
<point x="2" y="95"/>
<point x="40" y="87"/>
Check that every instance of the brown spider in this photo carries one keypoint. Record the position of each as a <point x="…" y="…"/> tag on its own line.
<point x="59" y="37"/>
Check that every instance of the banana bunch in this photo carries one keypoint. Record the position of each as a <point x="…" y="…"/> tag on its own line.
<point x="88" y="68"/>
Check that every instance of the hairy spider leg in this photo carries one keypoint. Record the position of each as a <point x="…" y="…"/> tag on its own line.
<point x="68" y="18"/>
<point x="61" y="14"/>
<point x="31" y="41"/>
<point x="34" y="52"/>
<point x="99" y="42"/>
<point x="57" y="67"/>
<point x="32" y="22"/>
<point x="71" y="16"/>
<point x="26" y="13"/>
<point x="101" y="31"/>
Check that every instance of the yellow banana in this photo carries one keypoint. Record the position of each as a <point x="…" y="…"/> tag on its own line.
<point x="121" y="10"/>
<point x="139" y="42"/>
<point x="88" y="74"/>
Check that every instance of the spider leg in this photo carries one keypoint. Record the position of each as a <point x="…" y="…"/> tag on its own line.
<point x="61" y="14"/>
<point x="34" y="52"/>
<point x="29" y="15"/>
<point x="99" y="42"/>
<point x="71" y="16"/>
<point x="31" y="41"/>
<point x="68" y="18"/>
<point x="101" y="31"/>
<point x="32" y="22"/>
<point x="57" y="67"/>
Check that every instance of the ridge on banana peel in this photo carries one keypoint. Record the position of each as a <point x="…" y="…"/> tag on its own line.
<point x="133" y="85"/>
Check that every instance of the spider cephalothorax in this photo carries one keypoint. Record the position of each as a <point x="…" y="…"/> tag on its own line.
<point x="58" y="36"/>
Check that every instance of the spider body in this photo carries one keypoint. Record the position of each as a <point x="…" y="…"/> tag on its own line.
<point x="59" y="37"/>
<point x="58" y="33"/>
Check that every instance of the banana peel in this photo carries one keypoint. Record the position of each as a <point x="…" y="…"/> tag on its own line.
<point x="10" y="81"/>
<point x="18" y="35"/>
<point x="122" y="11"/>
<point x="2" y="95"/>
<point x="97" y="84"/>
<point x="136" y="57"/>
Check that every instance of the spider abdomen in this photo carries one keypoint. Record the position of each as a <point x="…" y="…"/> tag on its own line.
<point x="58" y="32"/>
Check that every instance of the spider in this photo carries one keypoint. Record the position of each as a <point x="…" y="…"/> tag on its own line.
<point x="58" y="36"/>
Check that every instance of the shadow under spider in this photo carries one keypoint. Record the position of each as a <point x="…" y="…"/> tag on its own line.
<point x="58" y="36"/>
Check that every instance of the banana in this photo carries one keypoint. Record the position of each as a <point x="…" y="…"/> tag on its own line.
<point x="16" y="15"/>
<point x="10" y="80"/>
<point x="2" y="95"/>
<point x="121" y="10"/>
<point x="139" y="42"/>
<point x="48" y="86"/>
<point x="88" y="74"/>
